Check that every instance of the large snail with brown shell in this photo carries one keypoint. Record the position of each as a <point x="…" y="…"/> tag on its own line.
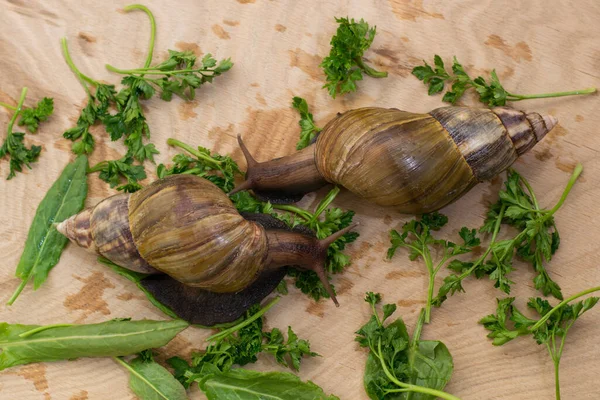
<point x="187" y="228"/>
<point x="417" y="163"/>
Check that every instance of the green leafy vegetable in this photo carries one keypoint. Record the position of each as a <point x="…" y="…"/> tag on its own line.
<point x="550" y="330"/>
<point x="240" y="344"/>
<point x="150" y="380"/>
<point x="492" y="93"/>
<point x="417" y="238"/>
<point x="24" y="344"/>
<point x="334" y="219"/>
<point x="31" y="117"/>
<point x="536" y="242"/>
<point x="307" y="125"/>
<point x="44" y="243"/>
<point x="111" y="172"/>
<point x="400" y="367"/>
<point x="14" y="145"/>
<point x="344" y="65"/>
<point x="136" y="278"/>
<point x="220" y="170"/>
<point x="242" y="384"/>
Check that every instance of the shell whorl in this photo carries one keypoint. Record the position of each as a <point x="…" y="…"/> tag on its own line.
<point x="188" y="228"/>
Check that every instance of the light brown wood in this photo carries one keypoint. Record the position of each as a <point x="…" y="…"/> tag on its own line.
<point x="535" y="46"/>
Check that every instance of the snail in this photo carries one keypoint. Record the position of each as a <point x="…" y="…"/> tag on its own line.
<point x="187" y="228"/>
<point x="417" y="163"/>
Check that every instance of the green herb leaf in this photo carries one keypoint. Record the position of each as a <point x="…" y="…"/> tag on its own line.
<point x="151" y="381"/>
<point x="307" y="125"/>
<point x="31" y="117"/>
<point x="44" y="243"/>
<point x="242" y="384"/>
<point x="344" y="65"/>
<point x="112" y="172"/>
<point x="112" y="338"/>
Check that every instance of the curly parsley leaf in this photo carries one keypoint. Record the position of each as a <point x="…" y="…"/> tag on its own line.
<point x="493" y="93"/>
<point x="416" y="237"/>
<point x="550" y="329"/>
<point x="14" y="145"/>
<point x="113" y="172"/>
<point x="344" y="65"/>
<point x="307" y="125"/>
<point x="31" y="117"/>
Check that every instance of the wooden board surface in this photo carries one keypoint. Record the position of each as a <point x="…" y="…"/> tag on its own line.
<point x="277" y="45"/>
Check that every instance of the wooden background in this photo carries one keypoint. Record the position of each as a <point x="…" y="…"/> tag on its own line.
<point x="276" y="45"/>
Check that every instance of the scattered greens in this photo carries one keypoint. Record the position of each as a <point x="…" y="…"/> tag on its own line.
<point x="550" y="329"/>
<point x="536" y="242"/>
<point x="417" y="238"/>
<point x="14" y="146"/>
<point x="344" y="65"/>
<point x="150" y="380"/>
<point x="24" y="344"/>
<point x="334" y="220"/>
<point x="400" y="367"/>
<point x="492" y="93"/>
<point x="44" y="243"/>
<point x="240" y="344"/>
<point x="220" y="170"/>
<point x="178" y="74"/>
<point x="307" y="125"/>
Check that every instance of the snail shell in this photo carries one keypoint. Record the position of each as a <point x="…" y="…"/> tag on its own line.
<point x="417" y="163"/>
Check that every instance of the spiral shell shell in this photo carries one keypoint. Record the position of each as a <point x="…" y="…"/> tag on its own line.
<point x="421" y="162"/>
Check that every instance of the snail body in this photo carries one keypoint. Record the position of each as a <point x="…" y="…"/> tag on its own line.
<point x="186" y="227"/>
<point x="417" y="163"/>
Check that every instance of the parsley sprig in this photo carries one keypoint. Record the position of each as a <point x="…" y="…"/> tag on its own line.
<point x="550" y="329"/>
<point x="240" y="345"/>
<point x="492" y="93"/>
<point x="112" y="172"/>
<point x="220" y="170"/>
<point x="31" y="117"/>
<point x="307" y="125"/>
<point x="399" y="364"/>
<point x="14" y="146"/>
<point x="416" y="236"/>
<point x="323" y="221"/>
<point x="344" y="65"/>
<point x="537" y="240"/>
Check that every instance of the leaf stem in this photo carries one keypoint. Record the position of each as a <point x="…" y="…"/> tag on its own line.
<point x="293" y="209"/>
<point x="542" y="320"/>
<point x="576" y="172"/>
<point x="369" y="70"/>
<point x="83" y="78"/>
<point x="119" y="360"/>
<point x="325" y="203"/>
<point x="226" y="332"/>
<point x="191" y="150"/>
<point x="18" y="291"/>
<point x="14" y="117"/>
<point x="152" y="29"/>
<point x="6" y="105"/>
<point x="43" y="328"/>
<point x="519" y="97"/>
<point x="153" y="71"/>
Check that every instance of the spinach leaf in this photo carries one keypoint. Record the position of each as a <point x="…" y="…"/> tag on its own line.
<point x="136" y="278"/>
<point x="44" y="243"/>
<point x="150" y="380"/>
<point x="243" y="384"/>
<point x="24" y="344"/>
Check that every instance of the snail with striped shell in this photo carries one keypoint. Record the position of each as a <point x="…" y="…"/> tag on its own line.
<point x="186" y="227"/>
<point x="417" y="163"/>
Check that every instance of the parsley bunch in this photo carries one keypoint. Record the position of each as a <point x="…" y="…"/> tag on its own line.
<point x="400" y="364"/>
<point x="492" y="93"/>
<point x="323" y="221"/>
<point x="537" y="240"/>
<point x="550" y="329"/>
<point x="417" y="238"/>
<point x="307" y="125"/>
<point x="19" y="154"/>
<point x="202" y="164"/>
<point x="344" y="65"/>
<point x="241" y="344"/>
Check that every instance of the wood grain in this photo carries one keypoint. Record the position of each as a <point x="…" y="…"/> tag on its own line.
<point x="277" y="45"/>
